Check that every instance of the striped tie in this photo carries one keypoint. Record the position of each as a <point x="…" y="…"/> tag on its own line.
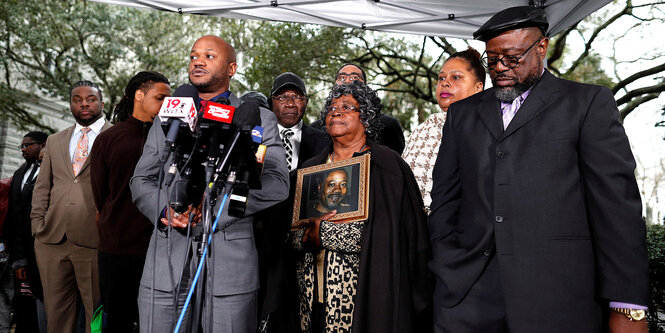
<point x="286" y="135"/>
<point x="81" y="152"/>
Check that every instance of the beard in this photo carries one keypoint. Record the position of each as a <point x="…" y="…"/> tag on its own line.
<point x="508" y="94"/>
<point x="213" y="83"/>
<point x="333" y="201"/>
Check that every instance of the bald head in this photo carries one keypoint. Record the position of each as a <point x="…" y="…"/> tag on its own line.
<point x="212" y="63"/>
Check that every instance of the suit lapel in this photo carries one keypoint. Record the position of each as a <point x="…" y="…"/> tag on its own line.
<point x="64" y="150"/>
<point x="234" y="100"/>
<point x="16" y="181"/>
<point x="540" y="98"/>
<point x="491" y="114"/>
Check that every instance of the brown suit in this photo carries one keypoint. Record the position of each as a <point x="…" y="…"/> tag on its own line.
<point x="66" y="238"/>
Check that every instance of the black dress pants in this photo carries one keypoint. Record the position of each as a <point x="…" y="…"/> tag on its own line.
<point x="481" y="311"/>
<point x="119" y="280"/>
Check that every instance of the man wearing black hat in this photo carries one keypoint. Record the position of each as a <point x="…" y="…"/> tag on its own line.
<point x="536" y="221"/>
<point x="289" y="100"/>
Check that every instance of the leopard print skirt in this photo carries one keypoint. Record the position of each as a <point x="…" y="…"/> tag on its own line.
<point x="340" y="279"/>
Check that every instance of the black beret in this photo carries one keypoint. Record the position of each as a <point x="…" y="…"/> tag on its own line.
<point x="512" y="18"/>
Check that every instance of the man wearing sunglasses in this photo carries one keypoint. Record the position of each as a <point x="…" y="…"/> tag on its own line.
<point x="536" y="221"/>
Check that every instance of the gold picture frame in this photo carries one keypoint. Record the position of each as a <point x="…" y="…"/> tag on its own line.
<point x="313" y="200"/>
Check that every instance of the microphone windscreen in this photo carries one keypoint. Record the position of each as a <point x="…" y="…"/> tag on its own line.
<point x="247" y="114"/>
<point x="187" y="90"/>
<point x="221" y="100"/>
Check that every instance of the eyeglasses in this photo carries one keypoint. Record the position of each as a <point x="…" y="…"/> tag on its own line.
<point x="349" y="77"/>
<point x="26" y="145"/>
<point x="509" y="61"/>
<point x="293" y="98"/>
<point x="344" y="109"/>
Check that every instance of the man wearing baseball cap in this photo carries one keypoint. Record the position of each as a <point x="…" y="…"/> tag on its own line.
<point x="288" y="101"/>
<point x="288" y="98"/>
<point x="536" y="220"/>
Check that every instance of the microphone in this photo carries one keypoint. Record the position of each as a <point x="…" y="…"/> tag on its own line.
<point x="260" y="149"/>
<point x="217" y="117"/>
<point x="176" y="112"/>
<point x="247" y="122"/>
<point x="248" y="116"/>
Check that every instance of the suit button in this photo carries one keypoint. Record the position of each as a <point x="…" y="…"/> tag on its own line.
<point x="76" y="181"/>
<point x="498" y="219"/>
<point x="487" y="253"/>
<point x="500" y="154"/>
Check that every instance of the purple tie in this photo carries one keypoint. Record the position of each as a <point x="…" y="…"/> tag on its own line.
<point x="510" y="110"/>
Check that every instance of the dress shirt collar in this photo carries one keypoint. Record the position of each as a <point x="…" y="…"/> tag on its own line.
<point x="296" y="129"/>
<point x="95" y="127"/>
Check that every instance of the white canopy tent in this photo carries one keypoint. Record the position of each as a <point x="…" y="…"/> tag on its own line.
<point x="446" y="18"/>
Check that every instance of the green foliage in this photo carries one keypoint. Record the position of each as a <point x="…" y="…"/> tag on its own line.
<point x="656" y="249"/>
<point x="12" y="110"/>
<point x="47" y="45"/>
<point x="311" y="52"/>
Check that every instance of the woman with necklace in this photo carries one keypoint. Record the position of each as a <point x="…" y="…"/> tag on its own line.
<point x="365" y="276"/>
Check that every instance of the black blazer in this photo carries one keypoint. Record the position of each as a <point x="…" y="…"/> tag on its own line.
<point x="312" y="143"/>
<point x="554" y="196"/>
<point x="17" y="228"/>
<point x="276" y="271"/>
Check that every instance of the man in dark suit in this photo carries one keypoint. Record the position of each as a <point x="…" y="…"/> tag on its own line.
<point x="536" y="221"/>
<point x="392" y="134"/>
<point x="288" y="100"/>
<point x="63" y="214"/>
<point x="19" y="239"/>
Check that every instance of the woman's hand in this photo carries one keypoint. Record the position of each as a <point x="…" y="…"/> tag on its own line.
<point x="311" y="235"/>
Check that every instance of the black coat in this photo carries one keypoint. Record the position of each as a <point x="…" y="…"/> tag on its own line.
<point x="271" y="232"/>
<point x="554" y="196"/>
<point x="312" y="142"/>
<point x="17" y="228"/>
<point x="394" y="291"/>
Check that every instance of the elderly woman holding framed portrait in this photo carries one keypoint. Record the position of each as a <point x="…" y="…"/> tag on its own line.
<point x="369" y="275"/>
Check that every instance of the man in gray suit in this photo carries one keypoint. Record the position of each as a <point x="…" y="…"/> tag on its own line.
<point x="233" y="278"/>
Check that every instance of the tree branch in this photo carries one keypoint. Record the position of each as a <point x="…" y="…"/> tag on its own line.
<point x="641" y="74"/>
<point x="587" y="47"/>
<point x="657" y="88"/>
<point x="625" y="111"/>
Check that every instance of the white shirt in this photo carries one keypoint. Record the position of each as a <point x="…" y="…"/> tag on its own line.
<point x="295" y="142"/>
<point x="28" y="172"/>
<point x="95" y="128"/>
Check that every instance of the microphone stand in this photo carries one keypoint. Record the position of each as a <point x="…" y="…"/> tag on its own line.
<point x="212" y="190"/>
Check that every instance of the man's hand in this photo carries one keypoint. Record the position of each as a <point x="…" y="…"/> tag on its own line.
<point x="179" y="220"/>
<point x="311" y="235"/>
<point x="21" y="273"/>
<point x="621" y="324"/>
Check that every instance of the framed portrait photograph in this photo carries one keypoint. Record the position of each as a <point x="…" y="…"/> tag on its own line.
<point x="341" y="186"/>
